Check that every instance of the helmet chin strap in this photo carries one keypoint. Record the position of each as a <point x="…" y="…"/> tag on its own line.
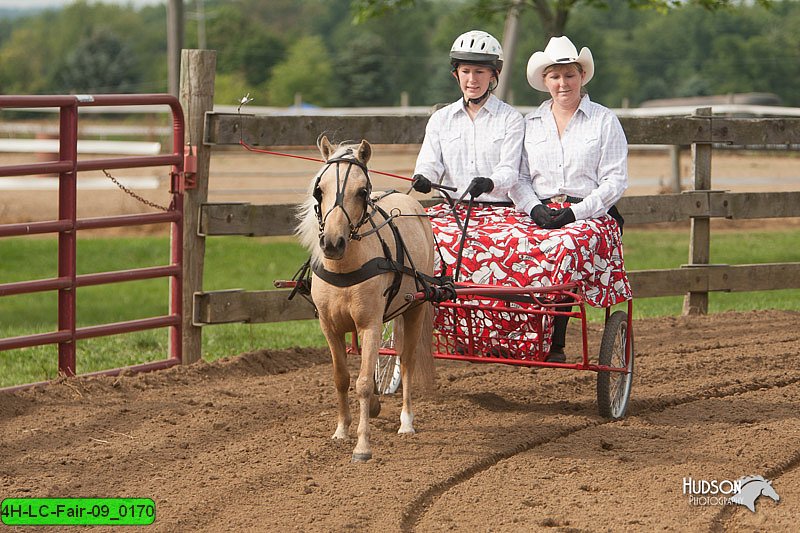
<point x="477" y="100"/>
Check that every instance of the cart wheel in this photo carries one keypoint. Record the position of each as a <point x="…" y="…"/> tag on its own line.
<point x="387" y="368"/>
<point x="614" y="388"/>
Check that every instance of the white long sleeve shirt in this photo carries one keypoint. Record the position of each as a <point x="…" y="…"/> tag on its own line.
<point x="457" y="149"/>
<point x="589" y="160"/>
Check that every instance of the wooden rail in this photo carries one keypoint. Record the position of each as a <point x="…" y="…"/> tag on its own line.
<point x="695" y="279"/>
<point x="221" y="307"/>
<point x="275" y="220"/>
<point x="303" y="130"/>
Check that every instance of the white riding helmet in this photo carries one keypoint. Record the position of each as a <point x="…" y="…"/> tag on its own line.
<point x="477" y="47"/>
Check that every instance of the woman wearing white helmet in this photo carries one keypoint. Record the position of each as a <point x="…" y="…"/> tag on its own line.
<point x="473" y="144"/>
<point x="574" y="162"/>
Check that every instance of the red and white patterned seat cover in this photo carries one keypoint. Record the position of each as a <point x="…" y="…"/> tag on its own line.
<point x="505" y="248"/>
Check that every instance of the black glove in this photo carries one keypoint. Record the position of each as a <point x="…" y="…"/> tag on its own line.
<point x="561" y="217"/>
<point x="542" y="215"/>
<point x="420" y="183"/>
<point x="479" y="186"/>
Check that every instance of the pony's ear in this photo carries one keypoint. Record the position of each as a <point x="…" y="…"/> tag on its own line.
<point x="325" y="147"/>
<point x="364" y="152"/>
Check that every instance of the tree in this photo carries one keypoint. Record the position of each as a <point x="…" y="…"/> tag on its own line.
<point x="553" y="14"/>
<point x="33" y="58"/>
<point x="101" y="63"/>
<point x="258" y="54"/>
<point x="306" y="71"/>
<point x="20" y="71"/>
<point x="639" y="53"/>
<point x="400" y="46"/>
<point x="362" y="73"/>
<point x="224" y="32"/>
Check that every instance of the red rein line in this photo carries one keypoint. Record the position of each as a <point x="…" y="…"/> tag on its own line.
<point x="261" y="151"/>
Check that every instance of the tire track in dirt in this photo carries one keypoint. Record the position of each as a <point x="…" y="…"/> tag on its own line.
<point x="415" y="511"/>
<point x="245" y="445"/>
<point x="724" y="520"/>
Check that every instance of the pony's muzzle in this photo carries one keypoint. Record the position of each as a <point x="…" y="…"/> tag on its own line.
<point x="332" y="248"/>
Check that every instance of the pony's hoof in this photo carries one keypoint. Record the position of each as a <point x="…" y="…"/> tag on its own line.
<point x="406" y="431"/>
<point x="374" y="407"/>
<point x="361" y="457"/>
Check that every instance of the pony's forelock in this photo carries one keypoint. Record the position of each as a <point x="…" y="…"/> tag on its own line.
<point x="344" y="149"/>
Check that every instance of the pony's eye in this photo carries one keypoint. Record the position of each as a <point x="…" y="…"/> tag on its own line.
<point x="362" y="192"/>
<point x="317" y="194"/>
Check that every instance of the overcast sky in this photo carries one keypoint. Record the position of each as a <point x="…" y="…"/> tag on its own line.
<point x="56" y="3"/>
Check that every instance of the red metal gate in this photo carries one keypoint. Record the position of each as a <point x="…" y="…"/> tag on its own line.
<point x="68" y="225"/>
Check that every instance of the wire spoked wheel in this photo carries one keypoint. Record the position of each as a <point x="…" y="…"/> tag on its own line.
<point x="614" y="388"/>
<point x="387" y="367"/>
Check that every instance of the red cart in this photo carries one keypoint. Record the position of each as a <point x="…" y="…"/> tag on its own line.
<point x="458" y="337"/>
<point x="482" y="323"/>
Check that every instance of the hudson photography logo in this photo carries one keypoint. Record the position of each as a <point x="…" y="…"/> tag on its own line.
<point x="743" y="491"/>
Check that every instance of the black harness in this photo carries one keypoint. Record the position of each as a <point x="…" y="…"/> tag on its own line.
<point x="399" y="263"/>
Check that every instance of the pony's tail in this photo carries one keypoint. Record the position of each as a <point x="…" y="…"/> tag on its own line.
<point x="424" y="370"/>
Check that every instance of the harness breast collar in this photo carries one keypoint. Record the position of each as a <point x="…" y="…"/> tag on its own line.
<point x="379" y="265"/>
<point x="389" y="263"/>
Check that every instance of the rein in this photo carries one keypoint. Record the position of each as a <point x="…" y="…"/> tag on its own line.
<point x="316" y="160"/>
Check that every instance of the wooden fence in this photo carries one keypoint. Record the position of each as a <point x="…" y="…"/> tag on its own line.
<point x="694" y="280"/>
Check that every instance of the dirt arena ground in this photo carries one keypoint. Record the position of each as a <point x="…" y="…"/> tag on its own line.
<point x="244" y="444"/>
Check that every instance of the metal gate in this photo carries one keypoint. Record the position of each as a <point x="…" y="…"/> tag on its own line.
<point x="68" y="225"/>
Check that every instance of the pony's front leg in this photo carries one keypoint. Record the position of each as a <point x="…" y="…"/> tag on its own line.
<point x="365" y="384"/>
<point x="341" y="378"/>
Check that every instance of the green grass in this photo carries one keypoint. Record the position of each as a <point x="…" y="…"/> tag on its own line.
<point x="251" y="263"/>
<point x="230" y="263"/>
<point x="648" y="249"/>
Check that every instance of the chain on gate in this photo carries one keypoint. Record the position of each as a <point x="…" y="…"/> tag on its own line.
<point x="134" y="195"/>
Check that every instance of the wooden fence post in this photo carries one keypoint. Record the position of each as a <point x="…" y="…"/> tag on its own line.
<point x="696" y="303"/>
<point x="198" y="69"/>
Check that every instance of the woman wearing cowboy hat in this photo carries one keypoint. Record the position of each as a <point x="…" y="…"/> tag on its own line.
<point x="473" y="144"/>
<point x="574" y="161"/>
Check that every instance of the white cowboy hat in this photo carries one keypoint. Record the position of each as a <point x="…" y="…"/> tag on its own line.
<point x="559" y="51"/>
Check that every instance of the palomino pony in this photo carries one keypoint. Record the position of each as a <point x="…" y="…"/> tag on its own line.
<point x="367" y="251"/>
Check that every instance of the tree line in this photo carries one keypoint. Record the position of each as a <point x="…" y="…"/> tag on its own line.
<point x="343" y="53"/>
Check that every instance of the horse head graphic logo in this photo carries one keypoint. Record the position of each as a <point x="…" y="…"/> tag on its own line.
<point x="751" y="488"/>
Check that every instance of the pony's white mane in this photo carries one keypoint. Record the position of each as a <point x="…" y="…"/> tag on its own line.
<point x="307" y="230"/>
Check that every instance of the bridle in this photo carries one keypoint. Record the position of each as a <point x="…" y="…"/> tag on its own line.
<point x="341" y="184"/>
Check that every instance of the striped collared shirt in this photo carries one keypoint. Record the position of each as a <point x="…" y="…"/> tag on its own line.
<point x="589" y="160"/>
<point x="456" y="149"/>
